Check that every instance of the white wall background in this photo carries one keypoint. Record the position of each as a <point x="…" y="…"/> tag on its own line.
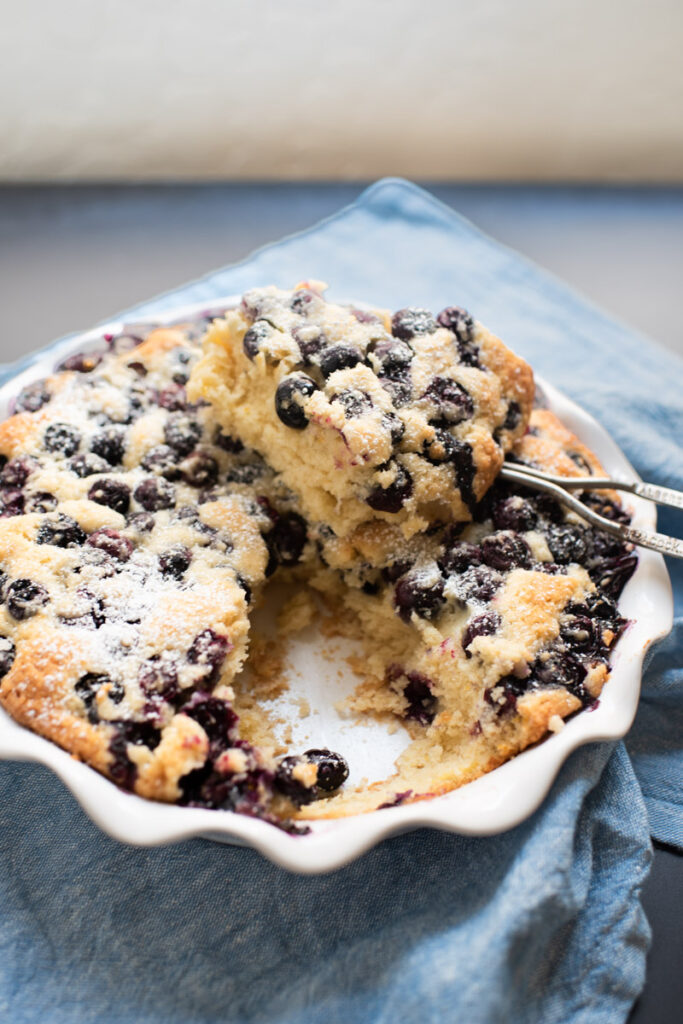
<point x="341" y="89"/>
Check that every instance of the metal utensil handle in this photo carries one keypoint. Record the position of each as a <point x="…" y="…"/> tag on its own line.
<point x="643" y="538"/>
<point x="662" y="495"/>
<point x="653" y="492"/>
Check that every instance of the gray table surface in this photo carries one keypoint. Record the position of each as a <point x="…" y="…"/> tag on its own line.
<point x="71" y="256"/>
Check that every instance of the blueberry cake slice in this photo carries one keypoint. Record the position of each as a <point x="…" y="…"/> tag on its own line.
<point x="133" y="537"/>
<point x="403" y="419"/>
<point x="481" y="638"/>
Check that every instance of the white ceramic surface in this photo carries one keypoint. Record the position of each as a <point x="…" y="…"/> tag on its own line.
<point x="494" y="803"/>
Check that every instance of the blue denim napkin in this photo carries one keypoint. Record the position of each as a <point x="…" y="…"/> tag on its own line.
<point x="543" y="923"/>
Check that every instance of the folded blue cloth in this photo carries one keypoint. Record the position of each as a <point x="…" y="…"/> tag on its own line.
<point x="543" y="923"/>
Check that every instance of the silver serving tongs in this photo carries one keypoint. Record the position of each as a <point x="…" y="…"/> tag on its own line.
<point x="559" y="486"/>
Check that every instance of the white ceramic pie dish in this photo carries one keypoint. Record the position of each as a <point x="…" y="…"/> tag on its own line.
<point x="492" y="804"/>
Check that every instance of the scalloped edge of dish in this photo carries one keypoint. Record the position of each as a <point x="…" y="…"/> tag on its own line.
<point x="491" y="804"/>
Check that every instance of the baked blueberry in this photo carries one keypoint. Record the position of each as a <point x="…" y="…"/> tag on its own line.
<point x="289" y="397"/>
<point x="291" y="775"/>
<point x="364" y="316"/>
<point x="338" y="357"/>
<point x="443" y="448"/>
<point x="109" y="444"/>
<point x="457" y="320"/>
<point x="567" y="543"/>
<point x="159" y="680"/>
<point x="409" y="323"/>
<point x="175" y="562"/>
<point x="61" y="437"/>
<point x="255" y="336"/>
<point x="506" y="550"/>
<point x="582" y="462"/>
<point x="421" y="593"/>
<point x="199" y="469"/>
<point x="287" y="538"/>
<point x="452" y="404"/>
<point x="244" y="473"/>
<point x="155" y="493"/>
<point x="33" y="397"/>
<point x="162" y="460"/>
<point x="216" y="718"/>
<point x="512" y="416"/>
<point x="125" y="341"/>
<point x="124" y="771"/>
<point x="173" y="397"/>
<point x="581" y="633"/>
<point x="463" y="465"/>
<point x="182" y="433"/>
<point x="112" y="542"/>
<point x="440" y="448"/>
<point x="503" y="696"/>
<point x="480" y="625"/>
<point x="478" y="583"/>
<point x="7" y="655"/>
<point x="354" y="402"/>
<point x="459" y="556"/>
<point x="40" y="501"/>
<point x="302" y="301"/>
<point x="140" y="522"/>
<point x="514" y="513"/>
<point x="11" y="502"/>
<point x="61" y="532"/>
<point x="392" y="497"/>
<point x="209" y="650"/>
<point x="399" y="387"/>
<point x="24" y="598"/>
<point x="87" y="464"/>
<point x="613" y="578"/>
<point x="112" y="493"/>
<point x="421" y="701"/>
<point x="286" y="781"/>
<point x="88" y="686"/>
<point x="81" y="362"/>
<point x="16" y="472"/>
<point x="311" y="342"/>
<point x="333" y="770"/>
<point x="559" y="668"/>
<point x="227" y="443"/>
<point x="389" y="357"/>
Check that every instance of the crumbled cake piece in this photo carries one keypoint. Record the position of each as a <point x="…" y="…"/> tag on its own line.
<point x="403" y="419"/>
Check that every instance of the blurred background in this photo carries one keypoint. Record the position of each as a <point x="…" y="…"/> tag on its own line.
<point x="587" y="90"/>
<point x="146" y="141"/>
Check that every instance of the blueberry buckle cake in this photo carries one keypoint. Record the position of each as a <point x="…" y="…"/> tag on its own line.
<point x="149" y="492"/>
